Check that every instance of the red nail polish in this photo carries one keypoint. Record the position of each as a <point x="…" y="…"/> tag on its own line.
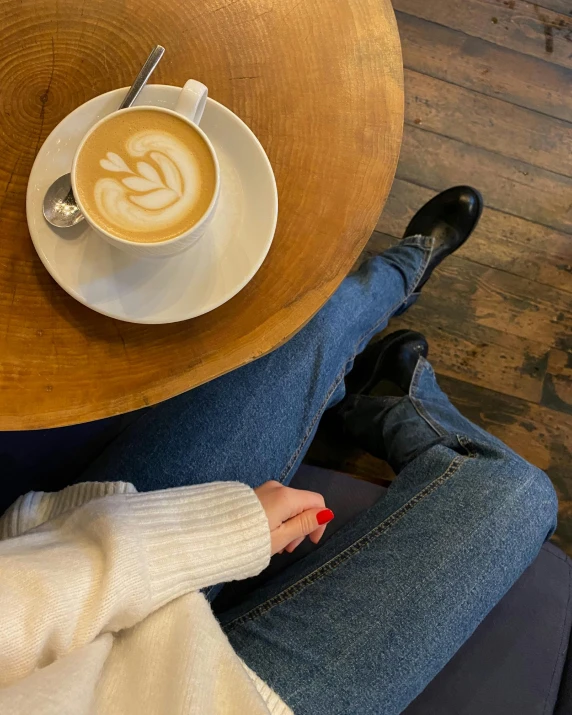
<point x="322" y="517"/>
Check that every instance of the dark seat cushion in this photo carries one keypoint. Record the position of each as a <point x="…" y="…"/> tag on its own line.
<point x="514" y="661"/>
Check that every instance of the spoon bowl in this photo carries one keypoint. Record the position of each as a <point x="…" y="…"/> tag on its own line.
<point x="60" y="207"/>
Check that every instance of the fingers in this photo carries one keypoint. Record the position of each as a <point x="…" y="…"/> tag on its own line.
<point x="299" y="526"/>
<point x="300" y="500"/>
<point x="317" y="534"/>
<point x="294" y="544"/>
<point x="281" y="503"/>
<point x="292" y="515"/>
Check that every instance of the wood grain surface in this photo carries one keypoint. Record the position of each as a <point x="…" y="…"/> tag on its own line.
<point x="319" y="82"/>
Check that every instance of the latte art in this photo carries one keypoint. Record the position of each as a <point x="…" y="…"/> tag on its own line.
<point x="148" y="184"/>
<point x="157" y="192"/>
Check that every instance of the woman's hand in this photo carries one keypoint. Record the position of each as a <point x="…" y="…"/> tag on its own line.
<point x="292" y="515"/>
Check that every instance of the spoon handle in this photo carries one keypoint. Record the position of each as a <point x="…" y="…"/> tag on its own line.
<point x="143" y="76"/>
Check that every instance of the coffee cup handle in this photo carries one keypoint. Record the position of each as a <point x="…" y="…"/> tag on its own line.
<point x="192" y="100"/>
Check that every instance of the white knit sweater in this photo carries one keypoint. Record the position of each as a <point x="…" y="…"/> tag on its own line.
<point x="100" y="606"/>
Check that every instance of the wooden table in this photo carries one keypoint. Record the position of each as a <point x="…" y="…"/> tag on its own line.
<point x="319" y="82"/>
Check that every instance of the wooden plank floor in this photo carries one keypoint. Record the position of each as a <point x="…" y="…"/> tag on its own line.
<point x="488" y="103"/>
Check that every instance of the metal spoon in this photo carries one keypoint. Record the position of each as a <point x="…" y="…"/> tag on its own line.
<point x="60" y="207"/>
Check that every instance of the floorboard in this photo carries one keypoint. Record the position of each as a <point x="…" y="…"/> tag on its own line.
<point x="511" y="186"/>
<point x="488" y="104"/>
<point x="496" y="71"/>
<point x="562" y="6"/>
<point x="522" y="26"/>
<point x="487" y="122"/>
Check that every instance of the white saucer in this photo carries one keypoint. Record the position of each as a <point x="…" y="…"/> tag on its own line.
<point x="160" y="290"/>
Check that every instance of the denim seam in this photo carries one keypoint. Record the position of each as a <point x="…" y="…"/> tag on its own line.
<point x="431" y="574"/>
<point x="349" y="551"/>
<point x="424" y="414"/>
<point x="316" y="418"/>
<point x="421" y="411"/>
<point x="560" y="647"/>
<point x="427" y="246"/>
<point x="466" y="444"/>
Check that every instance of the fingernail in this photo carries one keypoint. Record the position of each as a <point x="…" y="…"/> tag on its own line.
<point x="322" y="517"/>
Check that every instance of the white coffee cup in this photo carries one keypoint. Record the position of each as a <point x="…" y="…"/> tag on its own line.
<point x="190" y="107"/>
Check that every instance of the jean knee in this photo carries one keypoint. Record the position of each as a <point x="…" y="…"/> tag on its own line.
<point x="527" y="495"/>
<point x="545" y="499"/>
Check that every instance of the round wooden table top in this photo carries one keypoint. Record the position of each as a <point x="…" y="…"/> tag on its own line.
<point x="320" y="84"/>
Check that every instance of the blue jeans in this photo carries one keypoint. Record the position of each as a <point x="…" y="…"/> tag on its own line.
<point x="363" y="623"/>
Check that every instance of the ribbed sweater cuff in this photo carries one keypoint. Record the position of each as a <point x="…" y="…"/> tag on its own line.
<point x="199" y="536"/>
<point x="35" y="508"/>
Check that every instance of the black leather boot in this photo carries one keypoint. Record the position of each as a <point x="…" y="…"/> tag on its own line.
<point x="393" y="359"/>
<point x="450" y="218"/>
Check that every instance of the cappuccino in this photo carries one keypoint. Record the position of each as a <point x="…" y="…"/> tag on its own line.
<point x="145" y="176"/>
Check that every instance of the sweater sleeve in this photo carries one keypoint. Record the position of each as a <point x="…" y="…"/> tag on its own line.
<point x="107" y="565"/>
